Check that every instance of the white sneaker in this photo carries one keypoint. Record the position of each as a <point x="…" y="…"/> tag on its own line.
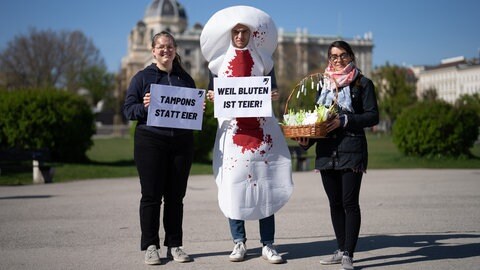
<point x="151" y="255"/>
<point x="271" y="255"/>
<point x="177" y="254"/>
<point x="238" y="253"/>
<point x="347" y="263"/>
<point x="334" y="259"/>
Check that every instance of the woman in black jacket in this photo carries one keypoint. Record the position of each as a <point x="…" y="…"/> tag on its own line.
<point x="163" y="156"/>
<point x="342" y="157"/>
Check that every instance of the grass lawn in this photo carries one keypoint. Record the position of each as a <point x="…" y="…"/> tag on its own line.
<point x="113" y="157"/>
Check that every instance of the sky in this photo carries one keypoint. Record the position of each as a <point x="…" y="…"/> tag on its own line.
<point x="405" y="33"/>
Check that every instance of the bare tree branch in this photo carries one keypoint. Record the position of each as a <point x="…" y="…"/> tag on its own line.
<point x="45" y="58"/>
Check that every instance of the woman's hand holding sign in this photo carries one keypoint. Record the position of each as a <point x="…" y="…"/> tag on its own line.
<point x="275" y="95"/>
<point x="146" y="100"/>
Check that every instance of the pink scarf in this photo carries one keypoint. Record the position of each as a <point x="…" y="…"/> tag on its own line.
<point x="343" y="77"/>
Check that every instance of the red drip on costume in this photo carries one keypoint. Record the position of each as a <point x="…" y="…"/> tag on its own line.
<point x="260" y="36"/>
<point x="249" y="134"/>
<point x="241" y="64"/>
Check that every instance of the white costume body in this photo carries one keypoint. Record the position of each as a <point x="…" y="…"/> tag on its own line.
<point x="251" y="162"/>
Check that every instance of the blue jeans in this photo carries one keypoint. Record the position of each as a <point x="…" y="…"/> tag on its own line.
<point x="267" y="230"/>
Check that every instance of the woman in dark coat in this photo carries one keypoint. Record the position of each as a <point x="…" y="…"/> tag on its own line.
<point x="342" y="157"/>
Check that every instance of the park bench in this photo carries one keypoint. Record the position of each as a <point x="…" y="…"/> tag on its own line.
<point x="16" y="159"/>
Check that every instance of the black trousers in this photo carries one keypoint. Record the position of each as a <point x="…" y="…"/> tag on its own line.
<point x="163" y="165"/>
<point x="343" y="190"/>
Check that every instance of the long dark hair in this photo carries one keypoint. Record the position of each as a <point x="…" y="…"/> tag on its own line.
<point x="177" y="61"/>
<point x="344" y="46"/>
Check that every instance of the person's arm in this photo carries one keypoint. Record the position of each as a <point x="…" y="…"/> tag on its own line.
<point x="210" y="80"/>
<point x="305" y="142"/>
<point x="275" y="94"/>
<point x="210" y="95"/>
<point x="133" y="107"/>
<point x="370" y="116"/>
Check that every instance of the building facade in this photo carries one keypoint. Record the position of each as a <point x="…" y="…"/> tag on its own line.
<point x="451" y="79"/>
<point x="297" y="54"/>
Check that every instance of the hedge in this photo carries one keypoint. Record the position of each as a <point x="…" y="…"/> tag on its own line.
<point x="56" y="120"/>
<point x="436" y="129"/>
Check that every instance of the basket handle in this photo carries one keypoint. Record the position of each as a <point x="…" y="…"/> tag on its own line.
<point x="323" y="75"/>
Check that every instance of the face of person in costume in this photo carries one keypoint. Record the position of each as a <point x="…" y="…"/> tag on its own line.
<point x="240" y="36"/>
<point x="164" y="51"/>
<point x="339" y="58"/>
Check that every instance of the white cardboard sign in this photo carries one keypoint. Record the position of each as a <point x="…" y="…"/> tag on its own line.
<point x="175" y="107"/>
<point x="242" y="96"/>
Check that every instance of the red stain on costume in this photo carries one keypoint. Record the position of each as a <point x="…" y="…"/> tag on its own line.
<point x="241" y="64"/>
<point x="249" y="135"/>
<point x="259" y="36"/>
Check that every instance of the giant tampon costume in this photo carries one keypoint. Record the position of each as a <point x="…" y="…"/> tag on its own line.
<point x="251" y="161"/>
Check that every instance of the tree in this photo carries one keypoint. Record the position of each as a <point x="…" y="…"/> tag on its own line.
<point x="472" y="101"/>
<point x="430" y="95"/>
<point x="45" y="59"/>
<point x="396" y="90"/>
<point x="99" y="83"/>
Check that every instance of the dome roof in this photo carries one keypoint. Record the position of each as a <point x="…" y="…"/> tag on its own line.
<point x="165" y="8"/>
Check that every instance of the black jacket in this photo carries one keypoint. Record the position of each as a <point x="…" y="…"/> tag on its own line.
<point x="346" y="148"/>
<point x="133" y="108"/>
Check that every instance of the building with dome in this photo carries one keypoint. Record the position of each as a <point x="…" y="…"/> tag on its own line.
<point x="297" y="54"/>
<point x="163" y="15"/>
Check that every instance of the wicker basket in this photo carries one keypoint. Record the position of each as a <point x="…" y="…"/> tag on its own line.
<point x="317" y="130"/>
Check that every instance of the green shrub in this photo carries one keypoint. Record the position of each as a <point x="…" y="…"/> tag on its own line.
<point x="436" y="128"/>
<point x="132" y="124"/>
<point x="53" y="119"/>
